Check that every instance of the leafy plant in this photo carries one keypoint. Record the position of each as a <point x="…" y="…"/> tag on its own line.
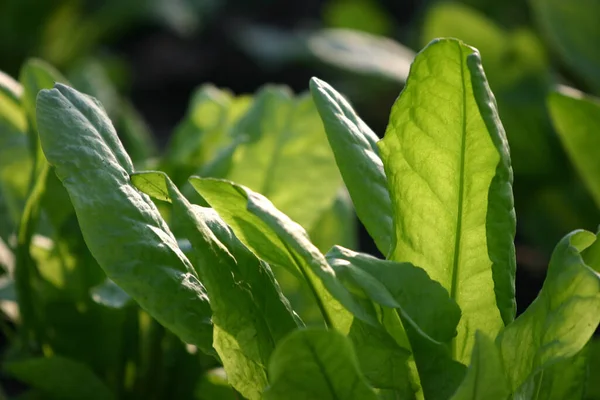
<point x="435" y="319"/>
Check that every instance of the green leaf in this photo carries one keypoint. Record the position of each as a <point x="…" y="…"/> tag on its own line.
<point x="446" y="159"/>
<point x="421" y="301"/>
<point x="287" y="158"/>
<point x="564" y="380"/>
<point x="355" y="148"/>
<point x="316" y="364"/>
<point x="485" y="379"/>
<point x="249" y="312"/>
<point x="59" y="378"/>
<point x="571" y="27"/>
<point x="122" y="228"/>
<point x="517" y="68"/>
<point x="560" y="321"/>
<point x="577" y="121"/>
<point x="278" y="240"/>
<point x="426" y="311"/>
<point x="382" y="360"/>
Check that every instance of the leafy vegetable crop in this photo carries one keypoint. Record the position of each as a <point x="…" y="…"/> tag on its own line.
<point x="227" y="260"/>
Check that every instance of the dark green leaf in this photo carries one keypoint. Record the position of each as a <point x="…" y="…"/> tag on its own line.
<point x="250" y="314"/>
<point x="316" y="364"/>
<point x="355" y="147"/>
<point x="122" y="227"/>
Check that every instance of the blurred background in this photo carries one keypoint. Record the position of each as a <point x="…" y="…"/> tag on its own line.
<point x="157" y="52"/>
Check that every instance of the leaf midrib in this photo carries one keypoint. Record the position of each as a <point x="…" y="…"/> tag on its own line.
<point x="461" y="187"/>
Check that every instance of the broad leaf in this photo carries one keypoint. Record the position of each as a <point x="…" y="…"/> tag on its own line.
<point x="485" y="379"/>
<point x="122" y="227"/>
<point x="449" y="176"/>
<point x="275" y="238"/>
<point x="337" y="225"/>
<point x="560" y="321"/>
<point x="316" y="364"/>
<point x="426" y="311"/>
<point x="355" y="148"/>
<point x="571" y="27"/>
<point x="420" y="300"/>
<point x="577" y="121"/>
<point x="60" y="378"/>
<point x="250" y="314"/>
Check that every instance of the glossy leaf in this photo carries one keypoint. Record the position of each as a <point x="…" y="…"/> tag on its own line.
<point x="485" y="379"/>
<point x="122" y="227"/>
<point x="427" y="313"/>
<point x="250" y="314"/>
<point x="571" y="28"/>
<point x="355" y="148"/>
<point x="449" y="176"/>
<point x="59" y="378"/>
<point x="316" y="364"/>
<point x="577" y="121"/>
<point x="275" y="238"/>
<point x="421" y="301"/>
<point x="561" y="320"/>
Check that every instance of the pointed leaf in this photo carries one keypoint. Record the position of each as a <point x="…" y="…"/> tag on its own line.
<point x="577" y="121"/>
<point x="316" y="364"/>
<point x="355" y="148"/>
<point x="122" y="227"/>
<point x="561" y="320"/>
<point x="449" y="176"/>
<point x="249" y="312"/>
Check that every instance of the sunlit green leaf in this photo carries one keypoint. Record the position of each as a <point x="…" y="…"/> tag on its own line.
<point x="449" y="176"/>
<point x="558" y="324"/>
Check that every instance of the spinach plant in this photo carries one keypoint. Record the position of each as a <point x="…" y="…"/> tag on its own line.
<point x="435" y="319"/>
